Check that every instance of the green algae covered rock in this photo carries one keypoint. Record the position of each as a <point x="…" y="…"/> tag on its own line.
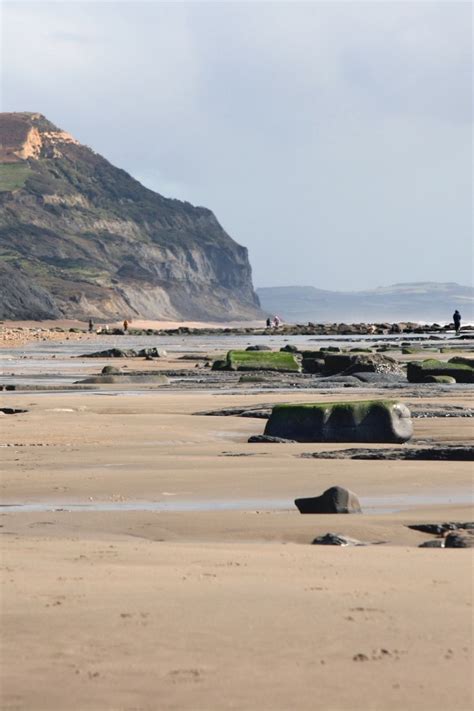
<point x="417" y="371"/>
<point x="462" y="360"/>
<point x="358" y="421"/>
<point x="441" y="379"/>
<point x="261" y="360"/>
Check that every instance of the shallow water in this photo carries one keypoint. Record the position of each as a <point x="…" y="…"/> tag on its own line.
<point x="370" y="504"/>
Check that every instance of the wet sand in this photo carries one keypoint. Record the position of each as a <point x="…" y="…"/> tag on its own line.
<point x="223" y="609"/>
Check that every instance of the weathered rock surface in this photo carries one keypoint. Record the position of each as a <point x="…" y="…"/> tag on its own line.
<point x="84" y="239"/>
<point x="438" y="529"/>
<point x="455" y="539"/>
<point x="362" y="421"/>
<point x="335" y="500"/>
<point x="336" y="539"/>
<point x="453" y="453"/>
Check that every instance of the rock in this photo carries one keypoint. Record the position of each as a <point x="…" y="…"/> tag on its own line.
<point x="345" y="381"/>
<point x="361" y="421"/>
<point x="110" y="370"/>
<point x="437" y="529"/>
<point x="444" y="453"/>
<point x="111" y="353"/>
<point x="380" y="378"/>
<point x="440" y="379"/>
<point x="361" y="362"/>
<point x="436" y="543"/>
<point x="335" y="500"/>
<point x="336" y="539"/>
<point x="289" y="349"/>
<point x="152" y="353"/>
<point x="270" y="440"/>
<point x="462" y="360"/>
<point x="455" y="539"/>
<point x="122" y="379"/>
<point x="258" y="348"/>
<point x="313" y="365"/>
<point x="417" y="371"/>
<point x="256" y="360"/>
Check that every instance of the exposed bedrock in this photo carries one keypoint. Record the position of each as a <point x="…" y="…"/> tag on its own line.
<point x="363" y="421"/>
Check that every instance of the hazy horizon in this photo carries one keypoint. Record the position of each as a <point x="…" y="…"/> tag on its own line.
<point x="332" y="139"/>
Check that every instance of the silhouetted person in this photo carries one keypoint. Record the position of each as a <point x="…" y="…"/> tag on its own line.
<point x="91" y="325"/>
<point x="269" y="322"/>
<point x="457" y="320"/>
<point x="125" y="326"/>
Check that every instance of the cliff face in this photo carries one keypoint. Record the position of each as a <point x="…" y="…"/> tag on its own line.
<point x="81" y="238"/>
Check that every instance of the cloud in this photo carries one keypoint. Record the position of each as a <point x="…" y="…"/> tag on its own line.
<point x="309" y="128"/>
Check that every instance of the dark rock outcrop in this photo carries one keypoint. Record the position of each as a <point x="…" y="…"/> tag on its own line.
<point x="335" y="500"/>
<point x="81" y="238"/>
<point x="360" y="421"/>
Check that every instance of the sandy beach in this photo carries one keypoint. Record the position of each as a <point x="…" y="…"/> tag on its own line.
<point x="153" y="559"/>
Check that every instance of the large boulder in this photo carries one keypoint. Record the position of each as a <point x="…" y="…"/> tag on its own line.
<point x="333" y="501"/>
<point x="348" y="363"/>
<point x="360" y="421"/>
<point x="417" y="371"/>
<point x="260" y="360"/>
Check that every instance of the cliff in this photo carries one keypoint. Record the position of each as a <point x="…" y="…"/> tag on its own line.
<point x="81" y="238"/>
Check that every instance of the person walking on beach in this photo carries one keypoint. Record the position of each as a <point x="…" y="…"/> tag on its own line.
<point x="269" y="322"/>
<point x="125" y="326"/>
<point x="457" y="320"/>
<point x="91" y="325"/>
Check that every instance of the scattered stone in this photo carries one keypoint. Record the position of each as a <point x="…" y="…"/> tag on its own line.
<point x="361" y="421"/>
<point x="289" y="349"/>
<point x="11" y="411"/>
<point x="436" y="543"/>
<point x="335" y="500"/>
<point x="258" y="348"/>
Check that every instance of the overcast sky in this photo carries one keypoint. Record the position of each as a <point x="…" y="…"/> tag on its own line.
<point x="333" y="139"/>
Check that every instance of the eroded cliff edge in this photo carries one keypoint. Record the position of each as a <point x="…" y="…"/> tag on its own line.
<point x="81" y="238"/>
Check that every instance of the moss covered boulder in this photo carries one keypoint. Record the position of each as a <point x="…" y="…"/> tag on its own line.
<point x="260" y="360"/>
<point x="440" y="379"/>
<point x="417" y="371"/>
<point x="462" y="360"/>
<point x="361" y="421"/>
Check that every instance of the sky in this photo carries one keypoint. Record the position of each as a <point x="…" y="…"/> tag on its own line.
<point x="333" y="139"/>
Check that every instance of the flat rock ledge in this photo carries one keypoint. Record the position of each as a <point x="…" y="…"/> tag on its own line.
<point x="453" y="453"/>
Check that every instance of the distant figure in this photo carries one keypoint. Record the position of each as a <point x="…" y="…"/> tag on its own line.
<point x="106" y="328"/>
<point x="276" y="321"/>
<point x="125" y="326"/>
<point x="457" y="320"/>
<point x="269" y="322"/>
<point x="91" y="325"/>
